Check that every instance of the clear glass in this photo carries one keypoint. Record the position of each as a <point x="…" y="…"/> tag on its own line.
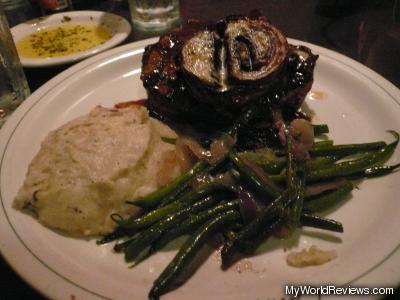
<point x="17" y="11"/>
<point x="13" y="85"/>
<point x="56" y="6"/>
<point x="154" y="14"/>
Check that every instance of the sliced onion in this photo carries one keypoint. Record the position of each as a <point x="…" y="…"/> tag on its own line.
<point x="225" y="179"/>
<point x="188" y="152"/>
<point x="201" y="181"/>
<point x="316" y="189"/>
<point x="280" y="126"/>
<point x="248" y="206"/>
<point x="220" y="147"/>
<point x="168" y="168"/>
<point x="260" y="173"/>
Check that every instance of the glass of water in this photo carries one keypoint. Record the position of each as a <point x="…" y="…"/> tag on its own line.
<point x="13" y="85"/>
<point x="154" y="14"/>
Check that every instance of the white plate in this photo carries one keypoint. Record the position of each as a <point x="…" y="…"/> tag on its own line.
<point x="120" y="29"/>
<point x="359" y="106"/>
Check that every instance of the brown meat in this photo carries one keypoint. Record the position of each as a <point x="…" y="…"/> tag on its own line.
<point x="203" y="74"/>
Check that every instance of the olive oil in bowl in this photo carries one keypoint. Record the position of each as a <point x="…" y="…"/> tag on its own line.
<point x="62" y="40"/>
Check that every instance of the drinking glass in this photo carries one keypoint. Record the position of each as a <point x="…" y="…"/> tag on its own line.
<point x="13" y="85"/>
<point x="17" y="11"/>
<point x="154" y="14"/>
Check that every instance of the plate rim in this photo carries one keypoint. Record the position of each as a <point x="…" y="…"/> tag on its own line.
<point x="124" y="30"/>
<point x="137" y="47"/>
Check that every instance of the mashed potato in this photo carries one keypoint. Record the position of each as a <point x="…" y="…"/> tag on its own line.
<point x="88" y="168"/>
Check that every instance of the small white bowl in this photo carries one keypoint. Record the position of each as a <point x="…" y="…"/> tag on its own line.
<point x="120" y="29"/>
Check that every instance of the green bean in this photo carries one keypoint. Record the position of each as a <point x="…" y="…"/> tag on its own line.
<point x="321" y="223"/>
<point x="118" y="233"/>
<point x="323" y="143"/>
<point x="187" y="252"/>
<point x="380" y="170"/>
<point x="249" y="246"/>
<point x="272" y="212"/>
<point x="179" y="210"/>
<point x="272" y="167"/>
<point x="210" y="169"/>
<point x="169" y="140"/>
<point x="185" y="211"/>
<point x="353" y="166"/>
<point x="145" y="238"/>
<point x="217" y="166"/>
<point x="290" y="168"/>
<point x="278" y="178"/>
<point x="266" y="159"/>
<point x="319" y="162"/>
<point x="153" y="216"/>
<point x="346" y="149"/>
<point x="191" y="223"/>
<point x="275" y="166"/>
<point x="185" y="200"/>
<point x="375" y="171"/>
<point x="297" y="198"/>
<point x="132" y="247"/>
<point x="362" y="167"/>
<point x="291" y="178"/>
<point x="320" y="129"/>
<point x="295" y="180"/>
<point x="327" y="200"/>
<point x="172" y="189"/>
<point x="256" y="177"/>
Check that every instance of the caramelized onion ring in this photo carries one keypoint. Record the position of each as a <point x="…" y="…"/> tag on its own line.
<point x="188" y="151"/>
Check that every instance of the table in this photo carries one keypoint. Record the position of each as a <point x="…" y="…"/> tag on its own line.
<point x="367" y="31"/>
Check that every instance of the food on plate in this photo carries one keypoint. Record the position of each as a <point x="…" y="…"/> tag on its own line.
<point x="63" y="40"/>
<point x="246" y="164"/>
<point x="247" y="197"/>
<point x="310" y="257"/>
<point x="254" y="165"/>
<point x="205" y="71"/>
<point x="86" y="170"/>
